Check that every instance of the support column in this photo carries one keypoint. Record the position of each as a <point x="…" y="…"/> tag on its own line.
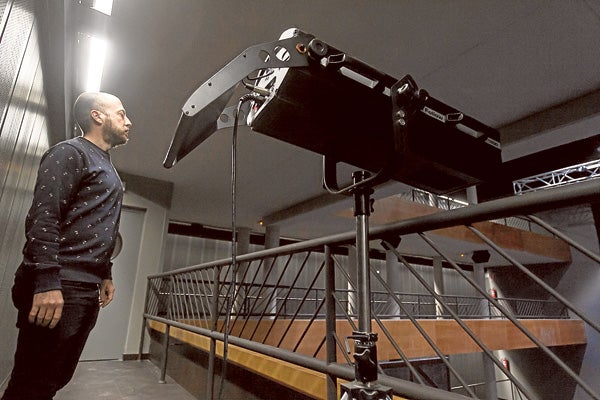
<point x="243" y="240"/>
<point x="479" y="278"/>
<point x="489" y="375"/>
<point x="392" y="274"/>
<point x="243" y="246"/>
<point x="472" y="195"/>
<point x="272" y="238"/>
<point x="438" y="285"/>
<point x="479" y="258"/>
<point x="489" y="369"/>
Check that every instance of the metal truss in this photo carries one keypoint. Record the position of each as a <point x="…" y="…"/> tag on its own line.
<point x="560" y="177"/>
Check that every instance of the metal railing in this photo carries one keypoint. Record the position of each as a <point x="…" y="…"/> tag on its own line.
<point x="306" y="303"/>
<point x="447" y="203"/>
<point x="272" y="291"/>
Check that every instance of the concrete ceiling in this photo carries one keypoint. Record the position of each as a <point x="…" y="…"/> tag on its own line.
<point x="502" y="62"/>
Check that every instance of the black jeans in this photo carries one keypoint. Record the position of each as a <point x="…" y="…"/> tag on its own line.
<point x="45" y="359"/>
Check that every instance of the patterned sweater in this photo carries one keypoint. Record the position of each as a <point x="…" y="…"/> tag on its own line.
<point x="74" y="217"/>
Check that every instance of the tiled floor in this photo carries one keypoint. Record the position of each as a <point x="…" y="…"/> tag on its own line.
<point x="120" y="380"/>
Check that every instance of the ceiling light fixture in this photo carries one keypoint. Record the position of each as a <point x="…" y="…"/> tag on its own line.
<point x="104" y="6"/>
<point x="97" y="55"/>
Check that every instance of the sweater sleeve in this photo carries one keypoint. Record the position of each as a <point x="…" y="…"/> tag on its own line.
<point x="107" y="272"/>
<point x="60" y="172"/>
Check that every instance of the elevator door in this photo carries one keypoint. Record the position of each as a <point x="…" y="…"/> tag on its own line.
<point x="107" y="340"/>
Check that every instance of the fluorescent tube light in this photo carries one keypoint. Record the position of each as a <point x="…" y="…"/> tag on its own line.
<point x="104" y="6"/>
<point x="97" y="55"/>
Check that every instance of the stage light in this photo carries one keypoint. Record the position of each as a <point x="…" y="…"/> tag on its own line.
<point x="323" y="100"/>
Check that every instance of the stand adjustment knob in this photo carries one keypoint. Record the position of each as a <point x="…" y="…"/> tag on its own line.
<point x="317" y="49"/>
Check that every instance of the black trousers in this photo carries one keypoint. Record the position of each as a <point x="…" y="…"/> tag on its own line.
<point x="45" y="359"/>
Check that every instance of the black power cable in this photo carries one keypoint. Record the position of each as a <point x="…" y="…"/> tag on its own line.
<point x="233" y="291"/>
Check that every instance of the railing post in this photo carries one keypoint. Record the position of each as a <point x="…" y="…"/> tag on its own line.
<point x="330" y="322"/>
<point x="144" y="321"/>
<point x="165" y="355"/>
<point x="214" y="310"/>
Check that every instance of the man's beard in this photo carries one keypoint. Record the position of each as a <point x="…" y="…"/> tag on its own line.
<point x="117" y="139"/>
<point x="114" y="136"/>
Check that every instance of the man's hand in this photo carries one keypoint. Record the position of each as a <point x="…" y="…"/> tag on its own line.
<point x="46" y="308"/>
<point x="107" y="291"/>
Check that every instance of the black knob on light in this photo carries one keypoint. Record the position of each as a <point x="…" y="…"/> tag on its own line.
<point x="317" y="49"/>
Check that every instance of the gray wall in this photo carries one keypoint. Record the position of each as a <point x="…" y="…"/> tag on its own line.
<point x="23" y="138"/>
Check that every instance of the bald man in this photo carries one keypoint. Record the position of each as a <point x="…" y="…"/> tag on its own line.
<point x="71" y="227"/>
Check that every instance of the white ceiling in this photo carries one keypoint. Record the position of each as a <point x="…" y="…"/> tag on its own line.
<point x="498" y="61"/>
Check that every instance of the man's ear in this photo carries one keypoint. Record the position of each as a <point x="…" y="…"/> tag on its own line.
<point x="96" y="116"/>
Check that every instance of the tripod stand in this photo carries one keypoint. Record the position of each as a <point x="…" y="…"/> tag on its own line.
<point x="365" y="386"/>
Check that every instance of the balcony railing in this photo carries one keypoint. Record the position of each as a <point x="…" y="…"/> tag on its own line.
<point x="297" y="303"/>
<point x="420" y="306"/>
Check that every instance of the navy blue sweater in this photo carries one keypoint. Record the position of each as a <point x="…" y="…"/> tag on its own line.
<point x="74" y="218"/>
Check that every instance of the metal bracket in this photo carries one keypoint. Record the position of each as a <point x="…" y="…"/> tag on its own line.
<point x="260" y="56"/>
<point x="202" y="110"/>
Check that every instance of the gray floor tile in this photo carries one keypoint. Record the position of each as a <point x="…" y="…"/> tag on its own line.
<point x="120" y="380"/>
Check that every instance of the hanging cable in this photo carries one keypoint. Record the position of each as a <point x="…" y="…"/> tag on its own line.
<point x="233" y="292"/>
